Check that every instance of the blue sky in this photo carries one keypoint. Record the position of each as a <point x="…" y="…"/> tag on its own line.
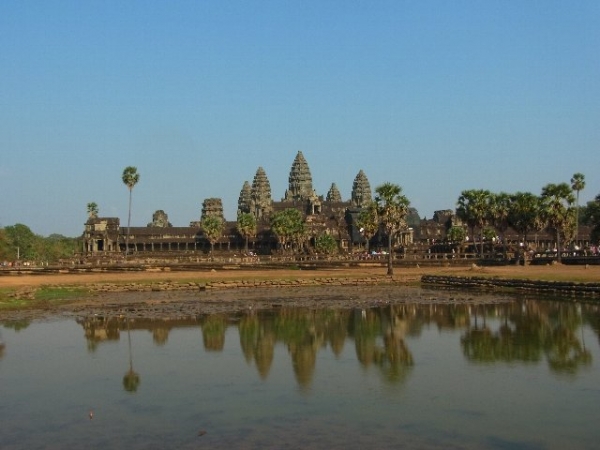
<point x="436" y="96"/>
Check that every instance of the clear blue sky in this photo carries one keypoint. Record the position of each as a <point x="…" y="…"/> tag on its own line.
<point x="436" y="96"/>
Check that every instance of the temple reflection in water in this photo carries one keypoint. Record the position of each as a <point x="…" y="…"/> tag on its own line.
<point x="526" y="331"/>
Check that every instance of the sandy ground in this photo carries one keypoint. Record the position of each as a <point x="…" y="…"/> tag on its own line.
<point x="558" y="272"/>
<point x="168" y="304"/>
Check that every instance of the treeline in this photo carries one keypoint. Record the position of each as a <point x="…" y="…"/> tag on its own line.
<point x="19" y="244"/>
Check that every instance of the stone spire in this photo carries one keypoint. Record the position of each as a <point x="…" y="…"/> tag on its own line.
<point x="160" y="219"/>
<point x="261" y="203"/>
<point x="212" y="207"/>
<point x="244" y="199"/>
<point x="334" y="194"/>
<point x="300" y="180"/>
<point x="361" y="190"/>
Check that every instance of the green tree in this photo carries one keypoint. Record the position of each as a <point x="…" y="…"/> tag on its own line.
<point x="499" y="211"/>
<point x="22" y="242"/>
<point x="525" y="213"/>
<point x="457" y="234"/>
<point x="368" y="222"/>
<point x="592" y="217"/>
<point x="557" y="210"/>
<point x="392" y="209"/>
<point x="288" y="226"/>
<point x="577" y="184"/>
<point x="246" y="226"/>
<point x="130" y="178"/>
<point x="212" y="226"/>
<point x="326" y="244"/>
<point x="92" y="210"/>
<point x="474" y="209"/>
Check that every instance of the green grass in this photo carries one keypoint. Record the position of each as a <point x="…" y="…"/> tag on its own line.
<point x="43" y="296"/>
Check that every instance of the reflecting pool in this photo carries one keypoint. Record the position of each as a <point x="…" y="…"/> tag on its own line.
<point x="520" y="374"/>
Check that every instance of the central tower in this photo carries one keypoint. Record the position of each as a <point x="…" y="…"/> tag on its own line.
<point x="300" y="180"/>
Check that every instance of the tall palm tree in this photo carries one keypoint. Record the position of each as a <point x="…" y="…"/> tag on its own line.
<point x="577" y="184"/>
<point x="557" y="201"/>
<point x="246" y="226"/>
<point x="213" y="229"/>
<point x="392" y="209"/>
<point x="499" y="211"/>
<point x="130" y="178"/>
<point x="525" y="213"/>
<point x="473" y="208"/>
<point x="368" y="222"/>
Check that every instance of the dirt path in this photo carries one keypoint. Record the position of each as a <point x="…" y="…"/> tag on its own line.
<point x="556" y="272"/>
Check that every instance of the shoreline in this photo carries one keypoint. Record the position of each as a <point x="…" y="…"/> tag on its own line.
<point x="36" y="296"/>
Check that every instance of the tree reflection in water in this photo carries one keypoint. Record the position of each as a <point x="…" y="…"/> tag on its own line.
<point x="527" y="331"/>
<point x="131" y="380"/>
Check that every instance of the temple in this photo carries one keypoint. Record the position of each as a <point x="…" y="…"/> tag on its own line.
<point x="323" y="215"/>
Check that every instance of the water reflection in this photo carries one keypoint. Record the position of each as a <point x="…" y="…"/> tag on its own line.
<point x="526" y="331"/>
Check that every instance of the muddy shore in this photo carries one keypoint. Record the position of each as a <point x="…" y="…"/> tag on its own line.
<point x="404" y="287"/>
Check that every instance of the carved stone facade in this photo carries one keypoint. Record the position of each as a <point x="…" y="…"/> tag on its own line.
<point x="160" y="220"/>
<point x="331" y="215"/>
<point x="334" y="194"/>
<point x="300" y="181"/>
<point x="361" y="191"/>
<point x="261" y="203"/>
<point x="212" y="207"/>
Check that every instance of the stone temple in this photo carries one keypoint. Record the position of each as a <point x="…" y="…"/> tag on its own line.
<point x="328" y="214"/>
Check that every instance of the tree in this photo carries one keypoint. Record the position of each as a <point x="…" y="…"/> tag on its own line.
<point x="213" y="229"/>
<point x="577" y="184"/>
<point x="288" y="226"/>
<point x="473" y="208"/>
<point x="326" y="244"/>
<point x="368" y="222"/>
<point x="499" y="212"/>
<point x="246" y="226"/>
<point x="92" y="210"/>
<point x="130" y="178"/>
<point x="592" y="217"/>
<point x="525" y="213"/>
<point x="131" y="379"/>
<point x="392" y="209"/>
<point x="557" y="210"/>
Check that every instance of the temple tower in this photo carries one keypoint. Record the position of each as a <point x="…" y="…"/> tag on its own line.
<point x="361" y="191"/>
<point x="212" y="207"/>
<point x="245" y="199"/>
<point x="160" y="219"/>
<point x="261" y="203"/>
<point x="300" y="180"/>
<point x="334" y="194"/>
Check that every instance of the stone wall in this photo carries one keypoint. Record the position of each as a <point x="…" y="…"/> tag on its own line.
<point x="547" y="287"/>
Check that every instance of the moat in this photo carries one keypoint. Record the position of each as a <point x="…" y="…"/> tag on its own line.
<point x="460" y="372"/>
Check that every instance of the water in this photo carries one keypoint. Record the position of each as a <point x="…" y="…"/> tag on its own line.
<point x="517" y="375"/>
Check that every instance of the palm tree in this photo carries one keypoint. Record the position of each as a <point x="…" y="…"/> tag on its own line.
<point x="577" y="184"/>
<point x="557" y="200"/>
<point x="392" y="209"/>
<point x="368" y="222"/>
<point x="130" y="178"/>
<point x="246" y="226"/>
<point x="525" y="213"/>
<point x="499" y="211"/>
<point x="92" y="209"/>
<point x="473" y="208"/>
<point x="213" y="229"/>
<point x="288" y="226"/>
